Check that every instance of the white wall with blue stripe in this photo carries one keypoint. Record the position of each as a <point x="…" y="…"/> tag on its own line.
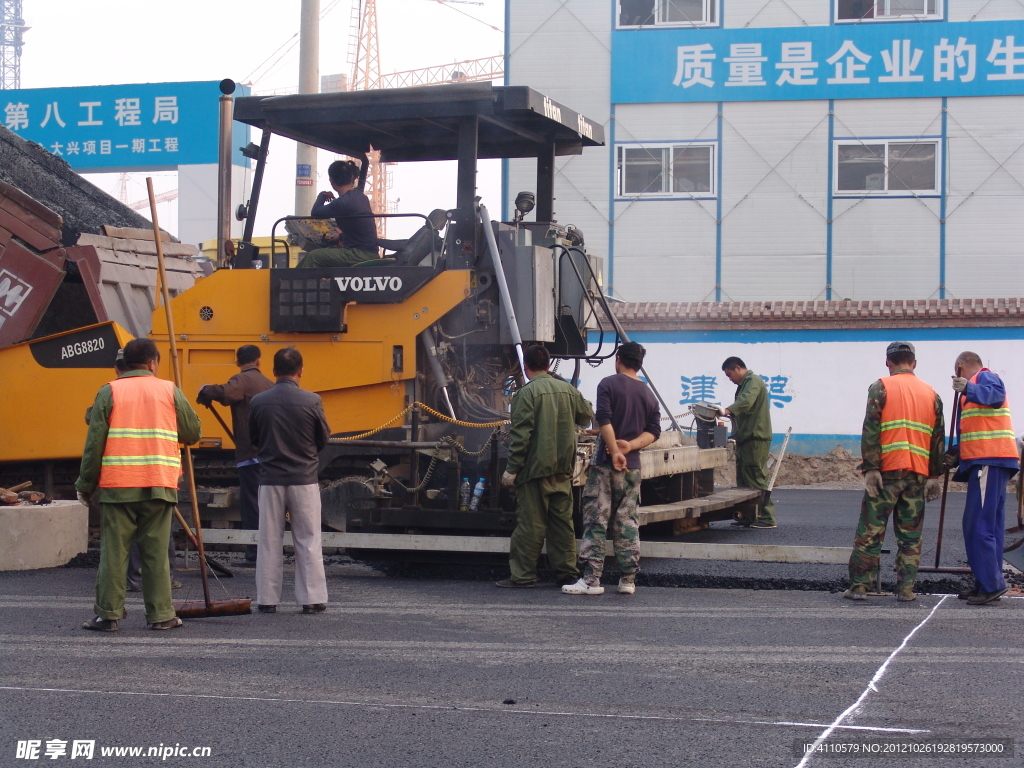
<point x="817" y="379"/>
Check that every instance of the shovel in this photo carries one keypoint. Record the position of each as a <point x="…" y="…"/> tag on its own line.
<point x="942" y="508"/>
<point x="195" y="609"/>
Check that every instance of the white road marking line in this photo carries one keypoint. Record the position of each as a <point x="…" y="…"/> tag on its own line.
<point x="456" y="708"/>
<point x="812" y="725"/>
<point x="872" y="686"/>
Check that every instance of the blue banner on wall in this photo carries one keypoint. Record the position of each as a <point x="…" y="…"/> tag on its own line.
<point x="852" y="61"/>
<point x="145" y="126"/>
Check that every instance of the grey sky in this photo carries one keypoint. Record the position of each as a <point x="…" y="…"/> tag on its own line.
<point x="90" y="42"/>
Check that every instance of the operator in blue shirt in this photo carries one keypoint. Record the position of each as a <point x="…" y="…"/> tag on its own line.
<point x="351" y="211"/>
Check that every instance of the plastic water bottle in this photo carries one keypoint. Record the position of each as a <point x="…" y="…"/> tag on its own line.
<point x="478" y="494"/>
<point x="465" y="493"/>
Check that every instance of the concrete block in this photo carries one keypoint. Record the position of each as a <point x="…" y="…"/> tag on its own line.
<point x="42" y="536"/>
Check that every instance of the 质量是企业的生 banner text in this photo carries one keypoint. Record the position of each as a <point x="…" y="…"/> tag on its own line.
<point x="855" y="61"/>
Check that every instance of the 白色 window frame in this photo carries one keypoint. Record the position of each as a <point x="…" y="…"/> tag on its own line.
<point x="939" y="15"/>
<point x="887" y="193"/>
<point x="621" y="194"/>
<point x="657" y="23"/>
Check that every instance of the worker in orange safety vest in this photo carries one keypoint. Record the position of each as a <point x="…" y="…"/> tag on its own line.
<point x="902" y="447"/>
<point x="130" y="466"/>
<point x="986" y="456"/>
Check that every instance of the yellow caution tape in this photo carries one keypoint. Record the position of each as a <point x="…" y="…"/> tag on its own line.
<point x="432" y="412"/>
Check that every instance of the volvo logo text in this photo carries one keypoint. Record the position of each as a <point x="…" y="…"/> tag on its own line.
<point x="369" y="284"/>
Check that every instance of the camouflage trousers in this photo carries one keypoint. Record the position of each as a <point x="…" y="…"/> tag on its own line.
<point x="611" y="498"/>
<point x="902" y="491"/>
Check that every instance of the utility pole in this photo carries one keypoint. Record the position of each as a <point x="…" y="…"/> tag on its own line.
<point x="12" y="26"/>
<point x="309" y="82"/>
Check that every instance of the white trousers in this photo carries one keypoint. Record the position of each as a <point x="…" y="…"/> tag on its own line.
<point x="303" y="502"/>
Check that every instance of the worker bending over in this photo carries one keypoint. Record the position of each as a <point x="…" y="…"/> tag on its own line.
<point x="902" y="446"/>
<point x="237" y="393"/>
<point x="351" y="212"/>
<point x="132" y="457"/>
<point x="987" y="459"/>
<point x="752" y="431"/>
<point x="541" y="459"/>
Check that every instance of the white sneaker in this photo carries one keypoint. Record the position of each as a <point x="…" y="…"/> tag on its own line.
<point x="626" y="587"/>
<point x="582" y="588"/>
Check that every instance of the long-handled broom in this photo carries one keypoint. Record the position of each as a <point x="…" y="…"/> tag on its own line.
<point x="191" y="610"/>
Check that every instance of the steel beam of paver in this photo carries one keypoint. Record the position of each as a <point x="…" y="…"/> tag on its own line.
<point x="764" y="553"/>
<point x="696" y="507"/>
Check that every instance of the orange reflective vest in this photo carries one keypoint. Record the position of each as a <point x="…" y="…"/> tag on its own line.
<point x="908" y="420"/>
<point x="142" y="441"/>
<point x="986" y="432"/>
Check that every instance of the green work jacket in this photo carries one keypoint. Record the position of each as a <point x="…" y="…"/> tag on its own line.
<point x="751" y="420"/>
<point x="189" y="431"/>
<point x="545" y="414"/>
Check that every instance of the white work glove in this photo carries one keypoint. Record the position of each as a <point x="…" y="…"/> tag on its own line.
<point x="720" y="409"/>
<point x="84" y="498"/>
<point x="508" y="479"/>
<point x="932" y="489"/>
<point x="873" y="483"/>
<point x="959" y="384"/>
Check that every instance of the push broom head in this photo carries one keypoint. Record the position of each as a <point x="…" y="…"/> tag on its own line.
<point x="198" y="609"/>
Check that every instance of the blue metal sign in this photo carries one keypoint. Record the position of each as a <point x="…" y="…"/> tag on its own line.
<point x="145" y="126"/>
<point x="850" y="61"/>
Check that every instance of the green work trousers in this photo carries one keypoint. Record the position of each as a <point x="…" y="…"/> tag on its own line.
<point x="149" y="523"/>
<point x="752" y="472"/>
<point x="336" y="257"/>
<point x="543" y="508"/>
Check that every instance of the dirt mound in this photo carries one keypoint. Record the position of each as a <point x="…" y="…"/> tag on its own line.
<point x="837" y="468"/>
<point x="835" y="471"/>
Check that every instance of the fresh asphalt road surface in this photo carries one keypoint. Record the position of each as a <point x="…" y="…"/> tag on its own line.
<point x="413" y="673"/>
<point x="824" y="519"/>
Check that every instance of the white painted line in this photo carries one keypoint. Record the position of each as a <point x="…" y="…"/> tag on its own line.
<point x="456" y="708"/>
<point x="872" y="686"/>
<point x="811" y="725"/>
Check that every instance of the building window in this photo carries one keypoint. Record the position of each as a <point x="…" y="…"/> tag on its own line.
<point x="676" y="13"/>
<point x="683" y="170"/>
<point x="887" y="167"/>
<point x="887" y="10"/>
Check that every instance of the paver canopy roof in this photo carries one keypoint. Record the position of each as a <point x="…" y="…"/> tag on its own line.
<point x="423" y="123"/>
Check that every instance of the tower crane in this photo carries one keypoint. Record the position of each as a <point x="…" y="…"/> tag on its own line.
<point x="364" y="58"/>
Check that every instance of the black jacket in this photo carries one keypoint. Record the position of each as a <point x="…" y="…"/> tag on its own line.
<point x="288" y="428"/>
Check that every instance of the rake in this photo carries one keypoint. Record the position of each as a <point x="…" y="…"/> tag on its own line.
<point x="194" y="609"/>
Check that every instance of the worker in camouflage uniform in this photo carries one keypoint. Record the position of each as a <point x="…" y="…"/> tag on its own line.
<point x="541" y="459"/>
<point x="902" y="446"/>
<point x="752" y="431"/>
<point x="627" y="413"/>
